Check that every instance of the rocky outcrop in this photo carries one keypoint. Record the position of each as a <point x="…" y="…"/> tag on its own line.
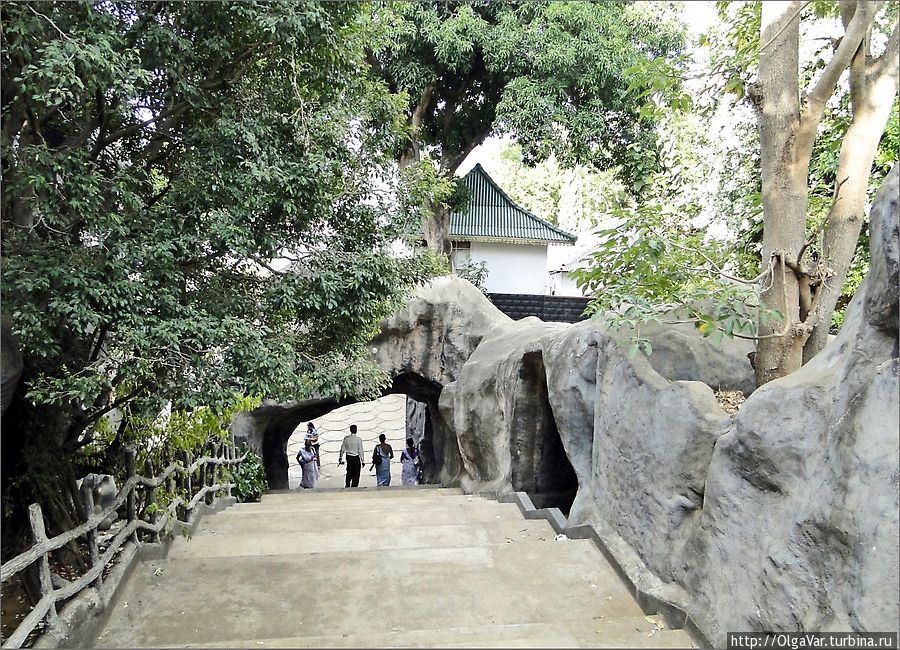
<point x="266" y="431"/>
<point x="437" y="331"/>
<point x="499" y="410"/>
<point x="782" y="518"/>
<point x="11" y="363"/>
<point x="801" y="502"/>
<point x="883" y="295"/>
<point x="679" y="353"/>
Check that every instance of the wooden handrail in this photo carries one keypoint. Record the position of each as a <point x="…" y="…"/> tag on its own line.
<point x="13" y="566"/>
<point x="46" y="606"/>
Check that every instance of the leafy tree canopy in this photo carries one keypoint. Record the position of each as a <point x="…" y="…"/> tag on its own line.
<point x="551" y="74"/>
<point x="161" y="162"/>
<point x="659" y="257"/>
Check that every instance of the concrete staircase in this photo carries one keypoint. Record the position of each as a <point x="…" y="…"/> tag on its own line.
<point x="385" y="567"/>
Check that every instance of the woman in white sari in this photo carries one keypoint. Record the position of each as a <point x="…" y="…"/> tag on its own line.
<point x="306" y="457"/>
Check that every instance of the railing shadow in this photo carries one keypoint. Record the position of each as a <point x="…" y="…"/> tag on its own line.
<point x="179" y="476"/>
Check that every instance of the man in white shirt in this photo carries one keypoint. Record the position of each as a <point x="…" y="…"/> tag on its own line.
<point x="352" y="446"/>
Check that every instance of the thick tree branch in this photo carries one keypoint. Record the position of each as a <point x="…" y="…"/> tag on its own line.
<point x="100" y="104"/>
<point x="131" y="129"/>
<point x="422" y="106"/>
<point x="888" y="58"/>
<point x="856" y="31"/>
<point x="461" y="156"/>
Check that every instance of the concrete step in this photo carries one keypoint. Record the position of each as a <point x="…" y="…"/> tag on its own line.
<point x="341" y="500"/>
<point x="597" y="633"/>
<point x="211" y="600"/>
<point x="375" y="516"/>
<point x="399" y="491"/>
<point x="245" y="540"/>
<point x="339" y="569"/>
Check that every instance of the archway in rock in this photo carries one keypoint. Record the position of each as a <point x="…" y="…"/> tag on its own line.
<point x="540" y="465"/>
<point x="272" y="425"/>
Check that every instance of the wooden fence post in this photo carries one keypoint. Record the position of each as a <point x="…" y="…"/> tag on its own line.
<point x="189" y="458"/>
<point x="129" y="473"/>
<point x="229" y="454"/>
<point x="151" y="499"/>
<point x="40" y="537"/>
<point x="202" y="471"/>
<point x="87" y="498"/>
<point x="170" y="480"/>
<point x="210" y="474"/>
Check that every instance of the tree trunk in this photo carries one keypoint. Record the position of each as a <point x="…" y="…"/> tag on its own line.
<point x="437" y="230"/>
<point x="872" y="101"/>
<point x="784" y="178"/>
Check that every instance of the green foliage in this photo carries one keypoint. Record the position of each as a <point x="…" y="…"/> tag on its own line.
<point x="654" y="267"/>
<point x="658" y="258"/>
<point x="551" y="74"/>
<point x="199" y="201"/>
<point x="474" y="272"/>
<point x="250" y="479"/>
<point x="164" y="158"/>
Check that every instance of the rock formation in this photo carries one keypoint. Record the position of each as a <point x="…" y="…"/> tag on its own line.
<point x="783" y="518"/>
<point x="10" y="362"/>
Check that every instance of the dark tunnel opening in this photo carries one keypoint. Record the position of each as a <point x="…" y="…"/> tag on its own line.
<point x="540" y="465"/>
<point x="437" y="450"/>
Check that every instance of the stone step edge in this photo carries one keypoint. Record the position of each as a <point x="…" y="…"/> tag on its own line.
<point x="389" y="488"/>
<point x="405" y="634"/>
<point x="653" y="596"/>
<point x="177" y="556"/>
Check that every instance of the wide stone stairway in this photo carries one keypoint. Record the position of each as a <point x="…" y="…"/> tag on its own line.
<point x="385" y="567"/>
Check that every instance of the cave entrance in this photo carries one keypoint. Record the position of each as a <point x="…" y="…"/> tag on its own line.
<point x="540" y="465"/>
<point x="385" y="415"/>
<point x="408" y="409"/>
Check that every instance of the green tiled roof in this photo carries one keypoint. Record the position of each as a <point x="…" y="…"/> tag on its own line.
<point x="492" y="216"/>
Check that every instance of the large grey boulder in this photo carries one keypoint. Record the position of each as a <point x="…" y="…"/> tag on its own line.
<point x="437" y="330"/>
<point x="800" y="527"/>
<point x="11" y="363"/>
<point x="500" y="412"/>
<point x="102" y="491"/>
<point x="680" y="352"/>
<point x="801" y="507"/>
<point x="652" y="443"/>
<point x="883" y="300"/>
<point x="570" y="359"/>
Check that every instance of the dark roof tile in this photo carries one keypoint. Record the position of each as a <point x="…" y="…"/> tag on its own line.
<point x="491" y="214"/>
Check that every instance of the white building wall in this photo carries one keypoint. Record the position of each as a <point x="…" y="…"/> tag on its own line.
<point x="513" y="268"/>
<point x="563" y="284"/>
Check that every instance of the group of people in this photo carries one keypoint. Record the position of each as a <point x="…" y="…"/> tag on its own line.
<point x="352" y="447"/>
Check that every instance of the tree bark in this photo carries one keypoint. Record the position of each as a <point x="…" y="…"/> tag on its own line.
<point x="437" y="230"/>
<point x="873" y="90"/>
<point x="784" y="178"/>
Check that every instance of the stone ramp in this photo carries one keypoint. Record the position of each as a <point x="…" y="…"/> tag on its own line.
<point x="379" y="568"/>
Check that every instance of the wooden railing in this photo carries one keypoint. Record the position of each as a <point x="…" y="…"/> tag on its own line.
<point x="208" y="469"/>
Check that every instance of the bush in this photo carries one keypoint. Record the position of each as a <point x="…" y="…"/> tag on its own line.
<point x="250" y="479"/>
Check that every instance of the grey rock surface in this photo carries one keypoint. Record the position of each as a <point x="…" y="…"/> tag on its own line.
<point x="784" y="517"/>
<point x="500" y="412"/>
<point x="436" y="332"/>
<point x="801" y="506"/>
<point x="652" y="443"/>
<point x="883" y="300"/>
<point x="681" y="353"/>
<point x="11" y="363"/>
<point x="103" y="492"/>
